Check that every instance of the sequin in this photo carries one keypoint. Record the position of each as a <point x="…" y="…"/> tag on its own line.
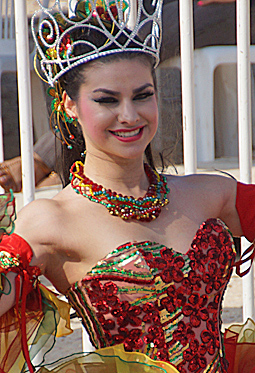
<point x="7" y="260"/>
<point x="160" y="302"/>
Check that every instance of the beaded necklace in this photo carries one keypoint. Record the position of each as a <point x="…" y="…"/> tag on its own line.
<point x="145" y="208"/>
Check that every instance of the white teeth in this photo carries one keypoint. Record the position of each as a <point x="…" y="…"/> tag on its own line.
<point x="127" y="134"/>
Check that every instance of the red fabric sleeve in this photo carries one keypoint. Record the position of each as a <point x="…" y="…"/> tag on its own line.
<point x="245" y="205"/>
<point x="15" y="256"/>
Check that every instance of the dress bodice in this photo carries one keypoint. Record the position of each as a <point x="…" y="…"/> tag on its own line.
<point x="161" y="302"/>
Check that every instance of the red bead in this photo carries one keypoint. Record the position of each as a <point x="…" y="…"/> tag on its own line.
<point x="145" y="210"/>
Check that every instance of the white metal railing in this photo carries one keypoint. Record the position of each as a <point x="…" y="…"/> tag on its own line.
<point x="25" y="106"/>
<point x="187" y="71"/>
<point x="245" y="129"/>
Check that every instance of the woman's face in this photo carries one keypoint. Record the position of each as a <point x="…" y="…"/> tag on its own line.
<point x="117" y="108"/>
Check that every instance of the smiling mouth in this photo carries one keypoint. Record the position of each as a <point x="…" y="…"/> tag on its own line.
<point x="127" y="133"/>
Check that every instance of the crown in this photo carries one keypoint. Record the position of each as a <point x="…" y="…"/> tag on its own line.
<point x="93" y="29"/>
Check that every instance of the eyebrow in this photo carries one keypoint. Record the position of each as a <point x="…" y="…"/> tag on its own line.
<point x="140" y="89"/>
<point x="110" y="92"/>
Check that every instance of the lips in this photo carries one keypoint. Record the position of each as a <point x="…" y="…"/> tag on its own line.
<point x="123" y="133"/>
<point x="127" y="135"/>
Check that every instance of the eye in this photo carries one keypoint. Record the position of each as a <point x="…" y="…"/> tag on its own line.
<point x="106" y="100"/>
<point x="144" y="95"/>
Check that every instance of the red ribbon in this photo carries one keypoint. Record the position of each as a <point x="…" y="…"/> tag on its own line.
<point x="251" y="251"/>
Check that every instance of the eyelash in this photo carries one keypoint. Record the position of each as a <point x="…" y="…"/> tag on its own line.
<point x="112" y="100"/>
<point x="106" y="100"/>
<point x="143" y="96"/>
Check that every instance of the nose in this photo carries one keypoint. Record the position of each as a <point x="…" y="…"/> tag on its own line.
<point x="128" y="113"/>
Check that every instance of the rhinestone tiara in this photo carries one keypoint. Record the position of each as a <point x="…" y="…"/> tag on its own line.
<point x="93" y="29"/>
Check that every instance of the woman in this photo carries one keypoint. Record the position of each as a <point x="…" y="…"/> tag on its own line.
<point x="147" y="278"/>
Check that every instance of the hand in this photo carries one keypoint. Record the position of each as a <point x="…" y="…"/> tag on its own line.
<point x="11" y="175"/>
<point x="208" y="2"/>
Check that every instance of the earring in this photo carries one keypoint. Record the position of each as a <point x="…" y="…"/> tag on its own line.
<point x="59" y="118"/>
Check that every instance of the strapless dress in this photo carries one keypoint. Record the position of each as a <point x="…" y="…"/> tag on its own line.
<point x="159" y="302"/>
<point x="146" y="307"/>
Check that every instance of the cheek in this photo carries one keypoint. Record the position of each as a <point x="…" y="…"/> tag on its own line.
<point x="90" y="113"/>
<point x="152" y="113"/>
<point x="92" y="121"/>
<point x="92" y="131"/>
<point x="86" y="112"/>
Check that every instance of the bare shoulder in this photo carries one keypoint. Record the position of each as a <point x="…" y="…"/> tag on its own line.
<point x="215" y="194"/>
<point x="46" y="221"/>
<point x="203" y="182"/>
<point x="38" y="216"/>
<point x="42" y="223"/>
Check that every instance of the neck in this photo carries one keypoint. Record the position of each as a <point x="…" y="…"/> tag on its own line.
<point x="124" y="176"/>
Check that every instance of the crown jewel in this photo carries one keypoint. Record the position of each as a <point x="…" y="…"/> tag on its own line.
<point x="94" y="28"/>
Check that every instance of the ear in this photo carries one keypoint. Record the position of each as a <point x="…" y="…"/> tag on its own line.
<point x="70" y="105"/>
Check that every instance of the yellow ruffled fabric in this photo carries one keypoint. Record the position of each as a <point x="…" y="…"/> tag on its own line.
<point x="239" y="341"/>
<point x="113" y="360"/>
<point x="63" y="327"/>
<point x="245" y="332"/>
<point x="41" y="326"/>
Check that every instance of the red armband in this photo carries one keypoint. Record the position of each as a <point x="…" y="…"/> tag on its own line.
<point x="245" y="205"/>
<point x="15" y="256"/>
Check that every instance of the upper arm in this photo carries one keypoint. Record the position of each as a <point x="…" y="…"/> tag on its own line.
<point x="228" y="211"/>
<point x="28" y="251"/>
<point x="37" y="223"/>
<point x="215" y="196"/>
<point x="219" y="196"/>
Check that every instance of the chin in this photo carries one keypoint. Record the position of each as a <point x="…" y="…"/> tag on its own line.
<point x="135" y="154"/>
<point x="128" y="156"/>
